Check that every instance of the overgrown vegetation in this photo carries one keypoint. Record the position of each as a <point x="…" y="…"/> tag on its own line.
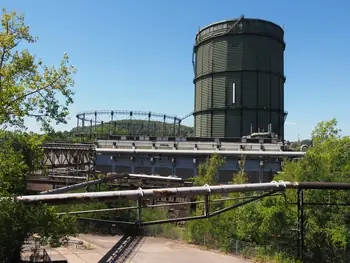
<point x="272" y="222"/>
<point x="28" y="89"/>
<point x="150" y="214"/>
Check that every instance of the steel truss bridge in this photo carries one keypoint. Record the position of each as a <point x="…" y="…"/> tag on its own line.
<point x="64" y="164"/>
<point x="62" y="155"/>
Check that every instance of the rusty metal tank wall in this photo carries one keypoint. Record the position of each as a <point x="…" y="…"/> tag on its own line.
<point x="239" y="78"/>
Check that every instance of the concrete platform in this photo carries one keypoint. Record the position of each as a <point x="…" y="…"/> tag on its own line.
<point x="151" y="249"/>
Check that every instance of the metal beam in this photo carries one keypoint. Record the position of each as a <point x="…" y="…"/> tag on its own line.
<point x="324" y="185"/>
<point x="104" y="221"/>
<point x="160" y="205"/>
<point x="68" y="176"/>
<point x="207" y="212"/>
<point x="98" y="210"/>
<point x="200" y="152"/>
<point x="69" y="188"/>
<point x="255" y="198"/>
<point x="161" y="192"/>
<point x="143" y="176"/>
<point x="172" y="220"/>
<point x="180" y="191"/>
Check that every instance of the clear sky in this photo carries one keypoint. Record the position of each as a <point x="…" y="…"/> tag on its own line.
<point x="136" y="55"/>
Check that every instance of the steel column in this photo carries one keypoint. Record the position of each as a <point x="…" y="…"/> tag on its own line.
<point x="149" y="124"/>
<point x="164" y="126"/>
<point x="77" y="130"/>
<point x="90" y="129"/>
<point x="95" y="124"/>
<point x="130" y="124"/>
<point x="83" y="125"/>
<point x="300" y="250"/>
<point x="139" y="210"/>
<point x="206" y="205"/>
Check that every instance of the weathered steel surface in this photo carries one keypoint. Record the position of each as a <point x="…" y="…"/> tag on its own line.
<point x="162" y="192"/>
<point x="79" y="185"/>
<point x="239" y="78"/>
<point x="73" y="155"/>
<point x="180" y="191"/>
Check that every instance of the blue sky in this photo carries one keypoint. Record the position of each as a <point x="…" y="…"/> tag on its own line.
<point x="137" y="54"/>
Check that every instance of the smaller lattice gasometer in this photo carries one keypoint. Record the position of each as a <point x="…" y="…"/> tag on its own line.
<point x="239" y="79"/>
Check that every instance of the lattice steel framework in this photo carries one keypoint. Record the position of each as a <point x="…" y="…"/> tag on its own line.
<point x="105" y="123"/>
<point x="68" y="159"/>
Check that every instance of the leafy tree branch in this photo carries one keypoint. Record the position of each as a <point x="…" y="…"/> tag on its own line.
<point x="29" y="88"/>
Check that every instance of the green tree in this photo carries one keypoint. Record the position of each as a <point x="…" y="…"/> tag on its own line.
<point x="207" y="172"/>
<point x="20" y="155"/>
<point x="325" y="130"/>
<point x="28" y="89"/>
<point x="327" y="226"/>
<point x="272" y="221"/>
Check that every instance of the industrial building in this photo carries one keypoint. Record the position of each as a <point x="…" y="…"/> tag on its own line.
<point x="180" y="157"/>
<point x="238" y="112"/>
<point x="239" y="79"/>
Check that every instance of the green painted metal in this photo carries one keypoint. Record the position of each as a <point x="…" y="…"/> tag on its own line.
<point x="239" y="78"/>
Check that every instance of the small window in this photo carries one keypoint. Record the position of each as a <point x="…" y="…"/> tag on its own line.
<point x="233" y="93"/>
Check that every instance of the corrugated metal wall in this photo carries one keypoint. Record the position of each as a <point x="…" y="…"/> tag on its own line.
<point x="249" y="58"/>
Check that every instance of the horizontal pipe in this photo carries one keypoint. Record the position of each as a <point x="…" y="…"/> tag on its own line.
<point x="180" y="191"/>
<point x="324" y="185"/>
<point x="200" y="152"/>
<point x="161" y="192"/>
